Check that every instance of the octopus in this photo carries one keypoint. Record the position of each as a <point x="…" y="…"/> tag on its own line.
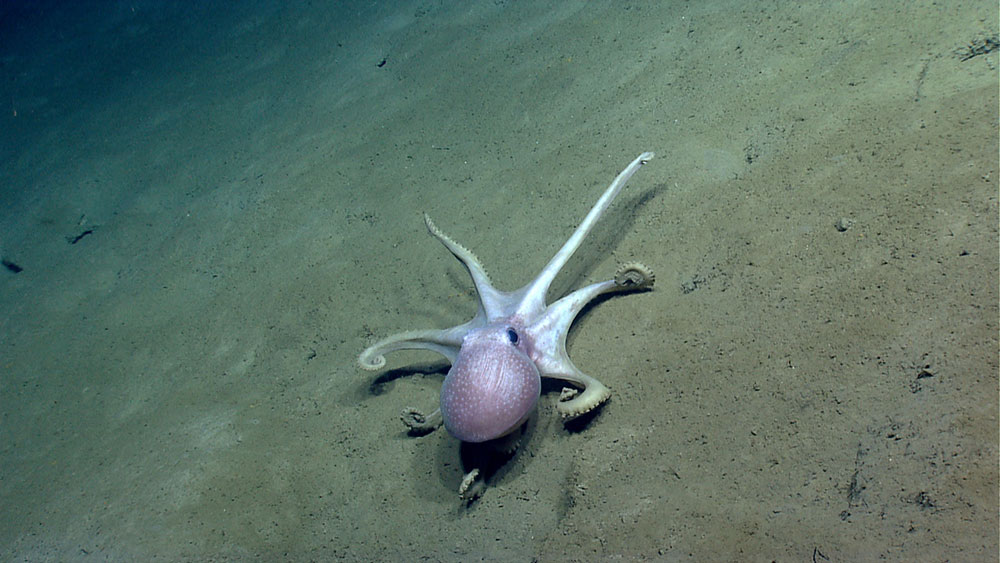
<point x="515" y="338"/>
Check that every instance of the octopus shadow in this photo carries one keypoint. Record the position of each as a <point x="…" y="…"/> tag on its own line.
<point x="384" y="382"/>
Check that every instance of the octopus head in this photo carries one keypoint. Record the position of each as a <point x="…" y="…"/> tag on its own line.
<point x="493" y="385"/>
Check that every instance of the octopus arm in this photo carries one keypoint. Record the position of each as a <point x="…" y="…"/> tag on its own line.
<point x="551" y="331"/>
<point x="492" y="303"/>
<point x="534" y="293"/>
<point x="445" y="342"/>
<point x="588" y="395"/>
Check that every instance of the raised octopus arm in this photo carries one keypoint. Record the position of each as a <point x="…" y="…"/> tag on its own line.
<point x="535" y="292"/>
<point x="491" y="301"/>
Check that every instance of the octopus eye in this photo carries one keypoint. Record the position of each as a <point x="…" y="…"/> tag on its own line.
<point x="512" y="336"/>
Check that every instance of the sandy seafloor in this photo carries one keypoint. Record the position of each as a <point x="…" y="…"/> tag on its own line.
<point x="217" y="207"/>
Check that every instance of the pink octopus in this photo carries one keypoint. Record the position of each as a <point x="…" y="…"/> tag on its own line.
<point x="499" y="357"/>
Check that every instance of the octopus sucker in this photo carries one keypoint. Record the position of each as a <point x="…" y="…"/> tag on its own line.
<point x="573" y="404"/>
<point x="634" y="275"/>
